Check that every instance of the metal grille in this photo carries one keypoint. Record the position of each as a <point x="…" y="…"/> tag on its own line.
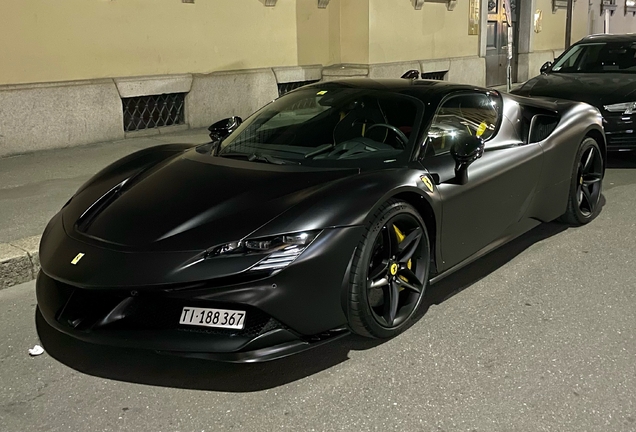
<point x="439" y="75"/>
<point x="147" y="112"/>
<point x="621" y="140"/>
<point x="289" y="86"/>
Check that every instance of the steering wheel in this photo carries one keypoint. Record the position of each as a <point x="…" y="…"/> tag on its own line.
<point x="402" y="138"/>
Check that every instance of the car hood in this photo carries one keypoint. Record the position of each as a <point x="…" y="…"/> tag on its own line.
<point x="596" y="89"/>
<point x="191" y="202"/>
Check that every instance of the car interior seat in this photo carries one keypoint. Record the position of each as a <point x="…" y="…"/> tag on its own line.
<point x="361" y="115"/>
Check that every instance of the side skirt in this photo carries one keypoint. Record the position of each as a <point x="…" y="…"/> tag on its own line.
<point x="518" y="229"/>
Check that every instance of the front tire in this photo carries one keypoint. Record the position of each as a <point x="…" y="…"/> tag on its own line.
<point x="586" y="184"/>
<point x="390" y="271"/>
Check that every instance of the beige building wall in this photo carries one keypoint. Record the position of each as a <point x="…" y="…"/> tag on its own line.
<point x="228" y="56"/>
<point x="398" y="33"/>
<point x="317" y="33"/>
<point x="354" y="31"/>
<point x="552" y="36"/>
<point x="618" y="23"/>
<point x="580" y="20"/>
<point x="45" y="40"/>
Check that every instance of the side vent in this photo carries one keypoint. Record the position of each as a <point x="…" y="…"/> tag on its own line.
<point x="541" y="126"/>
<point x="437" y="76"/>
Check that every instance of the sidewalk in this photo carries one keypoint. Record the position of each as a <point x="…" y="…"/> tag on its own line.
<point x="34" y="186"/>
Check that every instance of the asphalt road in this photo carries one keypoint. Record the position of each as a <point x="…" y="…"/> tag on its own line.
<point x="537" y="336"/>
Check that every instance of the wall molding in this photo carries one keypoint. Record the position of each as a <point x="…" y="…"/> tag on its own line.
<point x="322" y="4"/>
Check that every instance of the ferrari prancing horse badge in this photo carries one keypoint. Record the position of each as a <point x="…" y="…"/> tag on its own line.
<point x="77" y="258"/>
<point x="427" y="181"/>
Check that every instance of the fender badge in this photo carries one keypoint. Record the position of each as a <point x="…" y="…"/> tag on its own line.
<point x="427" y="181"/>
<point x="77" y="258"/>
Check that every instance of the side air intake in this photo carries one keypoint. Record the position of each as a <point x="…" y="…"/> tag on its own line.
<point x="541" y="126"/>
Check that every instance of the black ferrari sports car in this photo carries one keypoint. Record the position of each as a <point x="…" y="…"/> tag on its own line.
<point x="328" y="211"/>
<point x="599" y="70"/>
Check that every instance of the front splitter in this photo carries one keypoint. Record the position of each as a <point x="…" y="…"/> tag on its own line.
<point x="263" y="354"/>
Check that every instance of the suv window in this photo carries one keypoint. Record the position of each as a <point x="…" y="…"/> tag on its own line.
<point x="474" y="114"/>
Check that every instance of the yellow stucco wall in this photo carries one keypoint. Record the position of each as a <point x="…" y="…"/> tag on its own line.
<point x="552" y="37"/>
<point x="58" y="40"/>
<point x="579" y="20"/>
<point x="62" y="40"/>
<point x="398" y="33"/>
<point x="354" y="31"/>
<point x="314" y="28"/>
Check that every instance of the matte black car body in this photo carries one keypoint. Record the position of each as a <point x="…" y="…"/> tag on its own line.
<point x="597" y="89"/>
<point x="146" y="225"/>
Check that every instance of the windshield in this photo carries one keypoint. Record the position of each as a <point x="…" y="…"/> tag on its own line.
<point x="598" y="57"/>
<point x="328" y="123"/>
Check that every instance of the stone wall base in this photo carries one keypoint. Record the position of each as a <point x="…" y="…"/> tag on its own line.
<point x="529" y="64"/>
<point x="53" y="115"/>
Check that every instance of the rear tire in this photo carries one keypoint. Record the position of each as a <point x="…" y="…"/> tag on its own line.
<point x="586" y="184"/>
<point x="390" y="271"/>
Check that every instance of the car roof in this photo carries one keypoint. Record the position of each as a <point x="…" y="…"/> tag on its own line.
<point x="421" y="88"/>
<point x="627" y="37"/>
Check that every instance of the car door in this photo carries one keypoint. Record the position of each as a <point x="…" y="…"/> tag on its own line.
<point x="501" y="184"/>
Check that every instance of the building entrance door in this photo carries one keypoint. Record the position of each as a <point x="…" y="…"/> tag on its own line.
<point x="497" y="43"/>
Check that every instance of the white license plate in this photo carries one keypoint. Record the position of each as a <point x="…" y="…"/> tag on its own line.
<point x="220" y="318"/>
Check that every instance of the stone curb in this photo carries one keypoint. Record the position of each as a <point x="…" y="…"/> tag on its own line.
<point x="19" y="261"/>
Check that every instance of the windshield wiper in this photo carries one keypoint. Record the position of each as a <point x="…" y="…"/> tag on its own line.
<point x="257" y="157"/>
<point x="320" y="150"/>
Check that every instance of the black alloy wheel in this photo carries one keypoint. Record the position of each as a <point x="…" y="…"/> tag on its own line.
<point x="390" y="272"/>
<point x="586" y="185"/>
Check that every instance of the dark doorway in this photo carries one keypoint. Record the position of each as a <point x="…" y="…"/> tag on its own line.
<point x="497" y="43"/>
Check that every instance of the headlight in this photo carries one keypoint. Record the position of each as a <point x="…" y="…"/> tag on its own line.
<point x="626" y="108"/>
<point x="280" y="250"/>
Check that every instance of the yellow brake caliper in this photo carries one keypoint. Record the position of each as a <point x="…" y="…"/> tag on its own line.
<point x="400" y="237"/>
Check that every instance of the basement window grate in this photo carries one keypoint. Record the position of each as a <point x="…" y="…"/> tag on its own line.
<point x="148" y="112"/>
<point x="289" y="86"/>
<point x="438" y="76"/>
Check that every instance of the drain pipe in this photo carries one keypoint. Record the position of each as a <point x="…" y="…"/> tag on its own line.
<point x="568" y="24"/>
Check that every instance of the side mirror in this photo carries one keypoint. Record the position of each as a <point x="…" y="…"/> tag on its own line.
<point x="411" y="75"/>
<point x="222" y="128"/>
<point x="546" y="67"/>
<point x="465" y="151"/>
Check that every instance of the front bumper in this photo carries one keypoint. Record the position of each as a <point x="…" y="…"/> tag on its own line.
<point x="150" y="321"/>
<point x="289" y="311"/>
<point x="620" y="131"/>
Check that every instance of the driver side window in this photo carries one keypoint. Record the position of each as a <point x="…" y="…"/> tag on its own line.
<point x="475" y="114"/>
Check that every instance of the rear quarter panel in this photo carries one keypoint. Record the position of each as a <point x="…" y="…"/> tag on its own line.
<point x="578" y="121"/>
